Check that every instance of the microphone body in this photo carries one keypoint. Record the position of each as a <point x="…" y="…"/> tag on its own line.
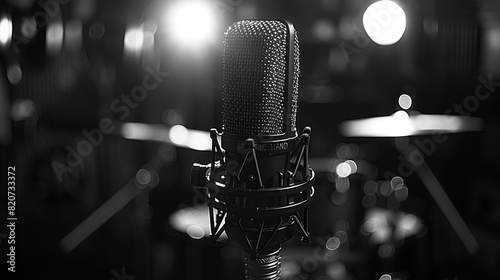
<point x="259" y="185"/>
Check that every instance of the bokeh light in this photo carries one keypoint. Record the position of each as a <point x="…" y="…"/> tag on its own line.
<point x="343" y="170"/>
<point x="405" y="101"/>
<point x="384" y="22"/>
<point x="55" y="35"/>
<point x="143" y="176"/>
<point x="332" y="243"/>
<point x="5" y="30"/>
<point x="178" y="134"/>
<point x="385" y="277"/>
<point x="134" y="40"/>
<point x="192" y="23"/>
<point x="196" y="232"/>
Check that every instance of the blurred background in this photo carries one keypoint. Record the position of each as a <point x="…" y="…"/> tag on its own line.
<point x="105" y="105"/>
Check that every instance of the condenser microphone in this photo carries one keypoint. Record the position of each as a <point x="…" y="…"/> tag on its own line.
<point x="259" y="184"/>
<point x="259" y="95"/>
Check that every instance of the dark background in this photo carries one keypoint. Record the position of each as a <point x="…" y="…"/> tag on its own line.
<point x="49" y="95"/>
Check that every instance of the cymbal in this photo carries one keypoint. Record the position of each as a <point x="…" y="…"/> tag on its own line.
<point x="401" y="124"/>
<point x="177" y="135"/>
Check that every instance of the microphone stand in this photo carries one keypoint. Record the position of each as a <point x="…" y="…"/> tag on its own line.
<point x="259" y="219"/>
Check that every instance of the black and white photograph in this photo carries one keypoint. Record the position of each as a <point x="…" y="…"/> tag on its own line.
<point x="250" y="139"/>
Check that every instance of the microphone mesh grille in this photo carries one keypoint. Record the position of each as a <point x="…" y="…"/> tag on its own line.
<point x="254" y="78"/>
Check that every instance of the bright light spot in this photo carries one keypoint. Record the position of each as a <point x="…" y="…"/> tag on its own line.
<point x="447" y="123"/>
<point x="199" y="141"/>
<point x="55" y="34"/>
<point x="385" y="277"/>
<point x="192" y="22"/>
<point x="406" y="225"/>
<point x="370" y="226"/>
<point x="404" y="101"/>
<point x="409" y="222"/>
<point x="5" y="31"/>
<point x="332" y="243"/>
<point x="137" y="131"/>
<point x="343" y="170"/>
<point x="396" y="125"/>
<point x="179" y="134"/>
<point x="384" y="22"/>
<point x="397" y="183"/>
<point x="377" y="225"/>
<point x="382" y="235"/>
<point x="195" y="232"/>
<point x="134" y="40"/>
<point x="401" y="123"/>
<point x="401" y="116"/>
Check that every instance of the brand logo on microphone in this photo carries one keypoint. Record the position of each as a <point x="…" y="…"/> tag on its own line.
<point x="265" y="147"/>
<point x="271" y="147"/>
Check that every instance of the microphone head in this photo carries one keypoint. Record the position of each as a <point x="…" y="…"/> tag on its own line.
<point x="260" y="78"/>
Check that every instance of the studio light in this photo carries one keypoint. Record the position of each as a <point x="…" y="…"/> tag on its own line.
<point x="191" y="23"/>
<point x="134" y="40"/>
<point x="5" y="30"/>
<point x="384" y="22"/>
